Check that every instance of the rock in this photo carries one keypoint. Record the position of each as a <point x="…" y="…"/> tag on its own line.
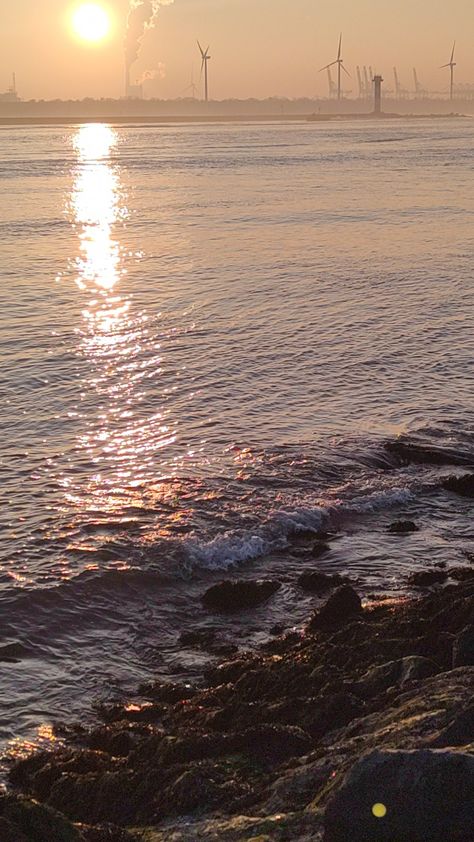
<point x="403" y="527"/>
<point x="106" y="833"/>
<point x="460" y="732"/>
<point x="461" y="574"/>
<point x="464" y="486"/>
<point x="168" y="694"/>
<point x="36" y="822"/>
<point x="209" y="641"/>
<point x="315" y="581"/>
<point x="428" y="796"/>
<point x="274" y="744"/>
<point x="343" y="605"/>
<point x="319" y="549"/>
<point x="237" y="596"/>
<point x="463" y="648"/>
<point x="426" y="578"/>
<point x="394" y="673"/>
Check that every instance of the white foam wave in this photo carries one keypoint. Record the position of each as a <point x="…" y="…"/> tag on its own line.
<point x="234" y="547"/>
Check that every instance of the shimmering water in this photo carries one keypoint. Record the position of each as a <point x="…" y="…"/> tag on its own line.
<point x="208" y="335"/>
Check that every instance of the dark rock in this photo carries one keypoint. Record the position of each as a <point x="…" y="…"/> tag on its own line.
<point x="106" y="833"/>
<point x="168" y="694"/>
<point x="408" y="451"/>
<point x="428" y="796"/>
<point x="343" y="605"/>
<point x="460" y="732"/>
<point x="461" y="574"/>
<point x="237" y="596"/>
<point x="319" y="549"/>
<point x="394" y="673"/>
<point x="464" y="486"/>
<point x="273" y="744"/>
<point x="317" y="582"/>
<point x="426" y="578"/>
<point x="36" y="822"/>
<point x="209" y="641"/>
<point x="463" y="648"/>
<point x="334" y="712"/>
<point x="403" y="527"/>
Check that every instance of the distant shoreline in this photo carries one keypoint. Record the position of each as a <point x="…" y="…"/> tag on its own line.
<point x="136" y="120"/>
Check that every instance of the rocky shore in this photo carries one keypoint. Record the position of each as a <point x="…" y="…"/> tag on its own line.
<point x="358" y="727"/>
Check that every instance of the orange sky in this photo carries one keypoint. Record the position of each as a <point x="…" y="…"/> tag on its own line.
<point x="259" y="47"/>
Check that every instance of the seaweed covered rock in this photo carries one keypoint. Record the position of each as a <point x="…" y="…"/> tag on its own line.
<point x="420" y="796"/>
<point x="237" y="596"/>
<point x="403" y="527"/>
<point x="464" y="485"/>
<point x="24" y="820"/>
<point x="315" y="581"/>
<point x="343" y="605"/>
<point x="426" y="578"/>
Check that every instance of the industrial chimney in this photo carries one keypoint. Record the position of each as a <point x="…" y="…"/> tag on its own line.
<point x="378" y="95"/>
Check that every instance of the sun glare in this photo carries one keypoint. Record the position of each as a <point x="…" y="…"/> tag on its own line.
<point x="91" y="22"/>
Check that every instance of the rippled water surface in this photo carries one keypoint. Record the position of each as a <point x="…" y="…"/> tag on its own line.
<point x="208" y="336"/>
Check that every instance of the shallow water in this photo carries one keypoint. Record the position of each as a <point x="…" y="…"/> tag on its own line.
<point x="208" y="336"/>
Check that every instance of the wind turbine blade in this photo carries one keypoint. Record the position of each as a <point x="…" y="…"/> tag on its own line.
<point x="201" y="49"/>
<point x="445" y="65"/>
<point x="340" y="46"/>
<point x="346" y="71"/>
<point x="452" y="54"/>
<point x="328" y="65"/>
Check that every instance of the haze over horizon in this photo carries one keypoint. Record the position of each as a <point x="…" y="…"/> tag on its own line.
<point x="259" y="48"/>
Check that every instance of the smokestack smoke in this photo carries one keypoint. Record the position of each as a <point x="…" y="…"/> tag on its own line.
<point x="141" y="18"/>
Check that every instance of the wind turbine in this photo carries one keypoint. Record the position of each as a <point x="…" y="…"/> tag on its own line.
<point x="451" y="64"/>
<point x="340" y="66"/>
<point x="205" y="58"/>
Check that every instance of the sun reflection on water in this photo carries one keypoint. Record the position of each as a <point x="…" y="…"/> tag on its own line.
<point x="120" y="434"/>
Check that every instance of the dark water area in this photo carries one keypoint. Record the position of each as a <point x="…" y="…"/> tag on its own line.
<point x="213" y="339"/>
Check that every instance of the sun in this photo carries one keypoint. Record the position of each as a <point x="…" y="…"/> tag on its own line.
<point x="91" y="22"/>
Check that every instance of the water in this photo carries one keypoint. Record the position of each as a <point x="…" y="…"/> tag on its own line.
<point x="208" y="337"/>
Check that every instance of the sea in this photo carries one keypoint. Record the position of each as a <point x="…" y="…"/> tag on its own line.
<point x="215" y="342"/>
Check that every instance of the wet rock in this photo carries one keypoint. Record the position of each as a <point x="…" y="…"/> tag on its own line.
<point x="463" y="648"/>
<point x="394" y="673"/>
<point x="461" y="574"/>
<point x="342" y="606"/>
<point x="168" y="694"/>
<point x="426" y="578"/>
<point x="460" y="732"/>
<point x="428" y="796"/>
<point x="240" y="595"/>
<point x="35" y="822"/>
<point x="334" y="712"/>
<point x="403" y="527"/>
<point x="273" y="744"/>
<point x="408" y="451"/>
<point x="107" y="833"/>
<point x="464" y="486"/>
<point x="315" y="581"/>
<point x="208" y="640"/>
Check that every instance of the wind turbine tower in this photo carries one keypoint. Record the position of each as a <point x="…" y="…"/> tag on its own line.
<point x="451" y="64"/>
<point x="332" y="87"/>
<point x="366" y="83"/>
<point x="340" y="66"/>
<point x="205" y="58"/>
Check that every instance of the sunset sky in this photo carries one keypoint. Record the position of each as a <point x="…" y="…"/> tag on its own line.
<point x="258" y="47"/>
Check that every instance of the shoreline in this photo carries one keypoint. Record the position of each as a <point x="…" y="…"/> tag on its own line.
<point x="146" y="120"/>
<point x="296" y="741"/>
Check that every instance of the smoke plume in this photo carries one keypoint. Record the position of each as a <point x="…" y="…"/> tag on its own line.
<point x="158" y="73"/>
<point x="141" y="18"/>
